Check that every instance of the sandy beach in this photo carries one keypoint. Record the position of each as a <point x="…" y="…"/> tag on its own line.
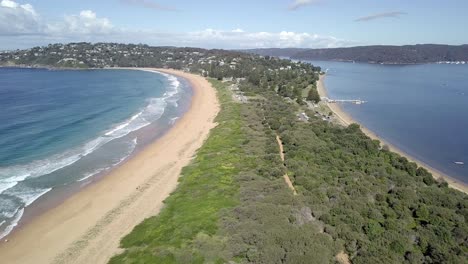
<point x="346" y="119"/>
<point x="87" y="227"/>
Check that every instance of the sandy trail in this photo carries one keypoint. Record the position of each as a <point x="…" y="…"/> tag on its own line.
<point x="285" y="176"/>
<point x="87" y="227"/>
<point x="346" y="119"/>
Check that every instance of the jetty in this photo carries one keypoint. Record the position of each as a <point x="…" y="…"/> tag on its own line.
<point x="353" y="101"/>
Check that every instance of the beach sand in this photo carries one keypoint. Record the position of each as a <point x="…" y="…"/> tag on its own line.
<point x="346" y="119"/>
<point x="88" y="226"/>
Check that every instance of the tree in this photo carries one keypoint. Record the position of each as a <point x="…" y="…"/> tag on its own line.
<point x="313" y="96"/>
<point x="422" y="213"/>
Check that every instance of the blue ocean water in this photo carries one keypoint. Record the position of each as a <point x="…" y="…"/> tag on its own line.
<point x="421" y="109"/>
<point x="62" y="127"/>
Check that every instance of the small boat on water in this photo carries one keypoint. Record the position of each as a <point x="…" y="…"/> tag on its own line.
<point x="459" y="162"/>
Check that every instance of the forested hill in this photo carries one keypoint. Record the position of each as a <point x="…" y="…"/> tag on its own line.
<point x="409" y="54"/>
<point x="276" y="52"/>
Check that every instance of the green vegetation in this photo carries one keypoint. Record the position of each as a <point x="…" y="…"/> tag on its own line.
<point x="353" y="196"/>
<point x="233" y="206"/>
<point x="384" y="208"/>
<point x="183" y="231"/>
<point x="313" y="96"/>
<point x="232" y="203"/>
<point x="407" y="54"/>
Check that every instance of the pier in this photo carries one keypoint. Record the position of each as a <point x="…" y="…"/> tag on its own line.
<point x="353" y="101"/>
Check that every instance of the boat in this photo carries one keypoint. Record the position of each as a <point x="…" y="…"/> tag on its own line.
<point x="459" y="162"/>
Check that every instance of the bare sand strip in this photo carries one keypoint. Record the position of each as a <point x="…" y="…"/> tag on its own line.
<point x="87" y="227"/>
<point x="285" y="176"/>
<point x="346" y="119"/>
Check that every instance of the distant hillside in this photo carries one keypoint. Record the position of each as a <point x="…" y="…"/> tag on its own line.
<point x="276" y="52"/>
<point x="427" y="53"/>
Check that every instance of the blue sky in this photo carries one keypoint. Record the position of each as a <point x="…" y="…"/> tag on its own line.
<point x="234" y="24"/>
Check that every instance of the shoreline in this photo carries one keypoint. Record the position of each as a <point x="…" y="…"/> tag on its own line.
<point x="59" y="194"/>
<point x="87" y="226"/>
<point x="346" y="119"/>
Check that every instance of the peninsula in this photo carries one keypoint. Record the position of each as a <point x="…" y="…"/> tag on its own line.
<point x="383" y="54"/>
<point x="272" y="183"/>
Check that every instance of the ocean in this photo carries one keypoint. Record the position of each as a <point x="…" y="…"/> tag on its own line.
<point x="420" y="109"/>
<point x="62" y="129"/>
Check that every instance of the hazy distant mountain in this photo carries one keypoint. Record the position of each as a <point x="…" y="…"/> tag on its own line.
<point x="276" y="52"/>
<point x="426" y="53"/>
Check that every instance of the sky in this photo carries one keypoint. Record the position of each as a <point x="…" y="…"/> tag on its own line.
<point x="234" y="24"/>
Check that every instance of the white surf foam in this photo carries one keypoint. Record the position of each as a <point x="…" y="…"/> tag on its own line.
<point x="28" y="195"/>
<point x="32" y="197"/>
<point x="13" y="224"/>
<point x="11" y="175"/>
<point x="6" y="185"/>
<point x="123" y="125"/>
<point x="155" y="108"/>
<point x="10" y="214"/>
<point x="13" y="216"/>
<point x="172" y="94"/>
<point x="91" y="174"/>
<point x="131" y="148"/>
<point x="173" y="120"/>
<point x="8" y="208"/>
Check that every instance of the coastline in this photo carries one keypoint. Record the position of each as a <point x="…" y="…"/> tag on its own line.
<point x="346" y="119"/>
<point x="87" y="227"/>
<point x="45" y="67"/>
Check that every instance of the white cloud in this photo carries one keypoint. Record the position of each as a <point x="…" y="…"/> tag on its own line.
<point x="85" y="23"/>
<point x="240" y="39"/>
<point x="20" y="24"/>
<point x="18" y="19"/>
<point x="8" y="3"/>
<point x="238" y="30"/>
<point x="301" y="3"/>
<point x="395" y="14"/>
<point x="21" y="20"/>
<point x="148" y="4"/>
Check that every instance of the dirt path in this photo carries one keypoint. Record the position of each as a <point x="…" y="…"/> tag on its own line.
<point x="286" y="176"/>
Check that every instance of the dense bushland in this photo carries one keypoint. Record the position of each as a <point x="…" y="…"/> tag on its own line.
<point x="384" y="208"/>
<point x="353" y="195"/>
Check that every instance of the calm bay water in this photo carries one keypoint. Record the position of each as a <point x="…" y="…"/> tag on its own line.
<point x="421" y="109"/>
<point x="61" y="128"/>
